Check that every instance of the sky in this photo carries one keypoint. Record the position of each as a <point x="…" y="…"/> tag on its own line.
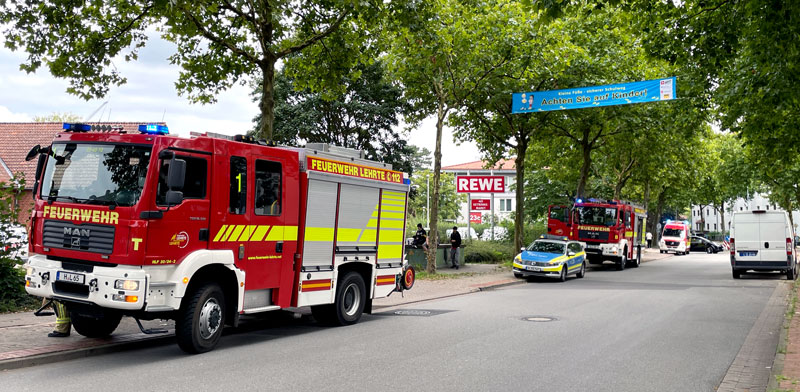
<point x="150" y="96"/>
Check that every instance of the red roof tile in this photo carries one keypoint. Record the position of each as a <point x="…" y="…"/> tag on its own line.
<point x="16" y="139"/>
<point x="481" y="165"/>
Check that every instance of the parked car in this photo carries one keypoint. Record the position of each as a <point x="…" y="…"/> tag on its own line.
<point x="500" y="233"/>
<point x="762" y="241"/>
<point x="700" y="244"/>
<point x="552" y="257"/>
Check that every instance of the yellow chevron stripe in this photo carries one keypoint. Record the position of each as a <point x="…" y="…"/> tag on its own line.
<point x="220" y="233"/>
<point x="372" y="223"/>
<point x="396" y="194"/>
<point x="248" y="231"/>
<point x="393" y="208"/>
<point x="261" y="231"/>
<point x="236" y="233"/>
<point x="228" y="233"/>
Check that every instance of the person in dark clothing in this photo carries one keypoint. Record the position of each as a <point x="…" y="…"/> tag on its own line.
<point x="421" y="237"/>
<point x="455" y="242"/>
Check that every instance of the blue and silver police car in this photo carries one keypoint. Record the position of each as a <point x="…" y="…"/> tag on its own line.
<point x="552" y="257"/>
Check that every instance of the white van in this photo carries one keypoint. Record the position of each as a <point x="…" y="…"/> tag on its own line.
<point x="762" y="241"/>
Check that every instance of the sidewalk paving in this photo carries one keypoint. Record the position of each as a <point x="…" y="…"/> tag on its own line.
<point x="788" y="378"/>
<point x="24" y="341"/>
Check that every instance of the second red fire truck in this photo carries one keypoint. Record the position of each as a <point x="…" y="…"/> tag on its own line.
<point x="205" y="229"/>
<point x="612" y="230"/>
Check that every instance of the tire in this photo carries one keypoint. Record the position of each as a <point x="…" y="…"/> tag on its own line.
<point x="709" y="250"/>
<point x="623" y="259"/>
<point x="201" y="319"/>
<point x="517" y="275"/>
<point x="563" y="276"/>
<point x="737" y="274"/>
<point x="661" y="251"/>
<point x="92" y="327"/>
<point x="790" y="274"/>
<point x="351" y="296"/>
<point x="582" y="272"/>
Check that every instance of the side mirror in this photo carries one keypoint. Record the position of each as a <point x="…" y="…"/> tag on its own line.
<point x="176" y="175"/>
<point x="522" y="249"/>
<point x="570" y="253"/>
<point x="174" y="198"/>
<point x="33" y="152"/>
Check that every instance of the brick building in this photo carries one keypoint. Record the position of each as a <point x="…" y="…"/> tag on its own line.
<point x="16" y="139"/>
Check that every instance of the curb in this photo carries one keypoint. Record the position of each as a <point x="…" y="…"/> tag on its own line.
<point x="83" y="352"/>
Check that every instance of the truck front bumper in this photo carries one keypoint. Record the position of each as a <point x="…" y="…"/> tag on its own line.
<point x="120" y="287"/>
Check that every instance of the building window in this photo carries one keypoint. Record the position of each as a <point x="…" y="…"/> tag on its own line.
<point x="715" y="227"/>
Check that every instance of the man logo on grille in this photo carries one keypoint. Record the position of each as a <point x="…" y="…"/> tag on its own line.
<point x="76" y="232"/>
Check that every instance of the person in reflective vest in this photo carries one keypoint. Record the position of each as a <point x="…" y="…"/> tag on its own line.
<point x="63" y="323"/>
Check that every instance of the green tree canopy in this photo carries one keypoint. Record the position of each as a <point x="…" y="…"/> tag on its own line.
<point x="219" y="43"/>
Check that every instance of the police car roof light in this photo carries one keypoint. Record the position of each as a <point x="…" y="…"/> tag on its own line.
<point x="77" y="127"/>
<point x="154" y="129"/>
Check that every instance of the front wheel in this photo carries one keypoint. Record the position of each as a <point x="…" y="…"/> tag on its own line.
<point x="709" y="250"/>
<point x="201" y="320"/>
<point x="95" y="327"/>
<point x="563" y="276"/>
<point x="517" y="275"/>
<point x="737" y="274"/>
<point x="623" y="259"/>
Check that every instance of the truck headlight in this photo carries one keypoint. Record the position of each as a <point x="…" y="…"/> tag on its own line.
<point x="132" y="285"/>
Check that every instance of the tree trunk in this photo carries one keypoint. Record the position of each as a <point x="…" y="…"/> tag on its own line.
<point x="647" y="195"/>
<point x="702" y="218"/>
<point x="655" y="217"/>
<point x="267" y="104"/>
<point x="587" y="164"/>
<point x="441" y="113"/>
<point x="519" y="214"/>
<point x="721" y="211"/>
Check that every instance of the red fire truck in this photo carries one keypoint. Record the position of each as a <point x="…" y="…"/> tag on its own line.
<point x="205" y="229"/>
<point x="612" y="229"/>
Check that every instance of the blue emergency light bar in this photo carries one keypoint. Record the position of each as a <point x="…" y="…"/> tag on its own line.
<point x="407" y="181"/>
<point x="154" y="129"/>
<point x="77" y="127"/>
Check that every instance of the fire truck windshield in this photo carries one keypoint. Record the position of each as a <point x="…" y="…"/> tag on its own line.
<point x="601" y="216"/>
<point x="96" y="173"/>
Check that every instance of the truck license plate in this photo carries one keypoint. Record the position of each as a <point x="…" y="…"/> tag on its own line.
<point x="747" y="254"/>
<point x="70" y="277"/>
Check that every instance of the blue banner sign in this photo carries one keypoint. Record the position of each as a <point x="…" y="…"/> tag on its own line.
<point x="586" y="97"/>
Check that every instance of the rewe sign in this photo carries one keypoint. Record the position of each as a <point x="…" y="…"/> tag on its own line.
<point x="480" y="184"/>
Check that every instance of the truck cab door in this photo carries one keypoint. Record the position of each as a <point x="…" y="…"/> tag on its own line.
<point x="181" y="228"/>
<point x="558" y="217"/>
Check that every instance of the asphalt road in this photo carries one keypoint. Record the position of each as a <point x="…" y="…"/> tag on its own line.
<point x="671" y="325"/>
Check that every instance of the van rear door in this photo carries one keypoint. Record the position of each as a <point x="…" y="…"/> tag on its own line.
<point x="746" y="226"/>
<point x="772" y="236"/>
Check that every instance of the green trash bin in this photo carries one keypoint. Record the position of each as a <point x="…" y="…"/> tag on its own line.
<point x="416" y="256"/>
